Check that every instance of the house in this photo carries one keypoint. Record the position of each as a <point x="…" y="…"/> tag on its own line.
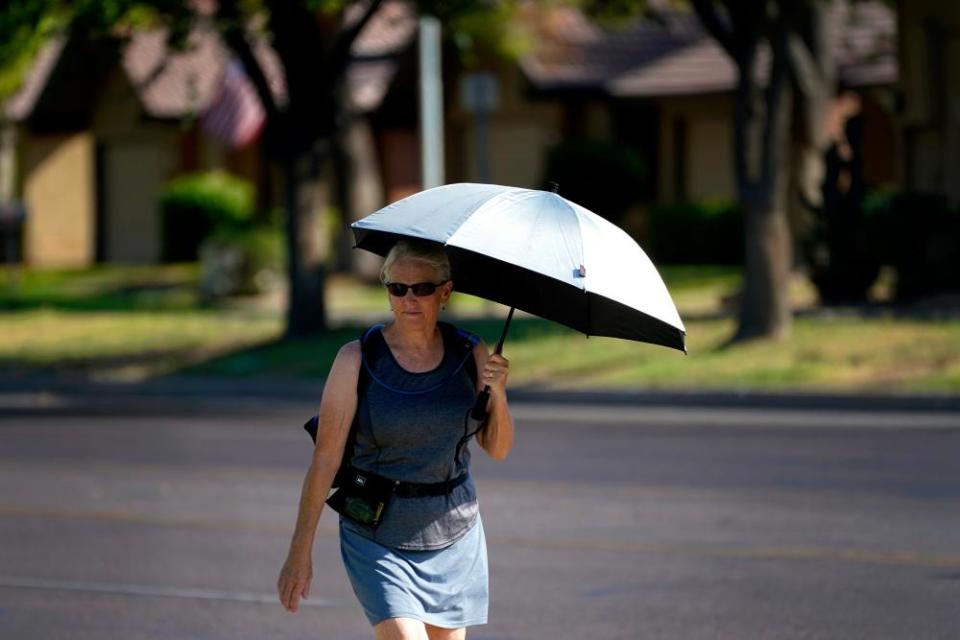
<point x="665" y="86"/>
<point x="929" y="96"/>
<point x="96" y="133"/>
<point x="93" y="162"/>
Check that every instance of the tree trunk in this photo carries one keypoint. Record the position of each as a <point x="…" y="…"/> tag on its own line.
<point x="765" y="302"/>
<point x="762" y="176"/>
<point x="343" y="170"/>
<point x="306" y="311"/>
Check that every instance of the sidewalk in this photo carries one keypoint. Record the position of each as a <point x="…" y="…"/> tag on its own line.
<point x="189" y="393"/>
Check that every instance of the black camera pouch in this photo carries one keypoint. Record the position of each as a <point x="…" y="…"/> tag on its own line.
<point x="362" y="497"/>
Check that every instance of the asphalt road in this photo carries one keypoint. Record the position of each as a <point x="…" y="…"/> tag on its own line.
<point x="605" y="522"/>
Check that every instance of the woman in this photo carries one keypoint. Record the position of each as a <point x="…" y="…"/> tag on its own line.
<point x="422" y="573"/>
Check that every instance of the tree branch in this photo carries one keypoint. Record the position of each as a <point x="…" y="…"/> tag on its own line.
<point x="339" y="55"/>
<point x="777" y="100"/>
<point x="298" y="40"/>
<point x="804" y="69"/>
<point x="722" y="33"/>
<point x="234" y="34"/>
<point x="812" y="67"/>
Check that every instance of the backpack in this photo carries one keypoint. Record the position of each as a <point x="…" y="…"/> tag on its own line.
<point x="452" y="336"/>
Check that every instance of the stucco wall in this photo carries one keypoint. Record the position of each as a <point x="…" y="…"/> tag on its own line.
<point x="708" y="156"/>
<point x="519" y="132"/>
<point x="59" y="191"/>
<point x="137" y="157"/>
<point x="517" y="151"/>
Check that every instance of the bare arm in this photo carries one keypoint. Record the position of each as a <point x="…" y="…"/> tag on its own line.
<point x="496" y="438"/>
<point x="337" y="407"/>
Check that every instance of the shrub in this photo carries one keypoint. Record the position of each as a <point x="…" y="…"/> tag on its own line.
<point x="844" y="246"/>
<point x="194" y="205"/>
<point x="602" y="176"/>
<point x="241" y="260"/>
<point x="921" y="239"/>
<point x="709" y="232"/>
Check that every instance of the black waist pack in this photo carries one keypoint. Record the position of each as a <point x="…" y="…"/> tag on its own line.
<point x="362" y="497"/>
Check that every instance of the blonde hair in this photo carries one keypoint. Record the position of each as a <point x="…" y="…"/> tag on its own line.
<point x="427" y="252"/>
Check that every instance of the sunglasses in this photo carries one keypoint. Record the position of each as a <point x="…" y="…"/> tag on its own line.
<point x="420" y="289"/>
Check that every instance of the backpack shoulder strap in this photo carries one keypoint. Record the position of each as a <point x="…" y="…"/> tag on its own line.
<point x="366" y="353"/>
<point x="464" y="342"/>
<point x="471" y="340"/>
<point x="363" y="379"/>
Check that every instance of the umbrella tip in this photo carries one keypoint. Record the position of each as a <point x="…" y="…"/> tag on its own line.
<point x="554" y="186"/>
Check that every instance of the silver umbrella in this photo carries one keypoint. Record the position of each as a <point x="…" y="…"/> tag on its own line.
<point x="539" y="252"/>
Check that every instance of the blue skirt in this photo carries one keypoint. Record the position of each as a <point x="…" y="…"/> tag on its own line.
<point x="446" y="587"/>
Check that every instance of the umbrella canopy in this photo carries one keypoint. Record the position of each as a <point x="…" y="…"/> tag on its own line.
<point x="538" y="252"/>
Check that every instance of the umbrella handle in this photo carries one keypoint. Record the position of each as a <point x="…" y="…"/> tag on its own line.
<point x="479" y="411"/>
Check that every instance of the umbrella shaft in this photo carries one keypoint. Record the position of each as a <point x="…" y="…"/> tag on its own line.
<point x="479" y="411"/>
<point x="503" y="336"/>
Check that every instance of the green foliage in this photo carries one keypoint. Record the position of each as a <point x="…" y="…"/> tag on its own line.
<point x="327" y="6"/>
<point x="103" y="288"/>
<point x="709" y="232"/>
<point x="916" y="233"/>
<point x="843" y="248"/>
<point x="224" y="198"/>
<point x="483" y="31"/>
<point x="611" y="12"/>
<point x="262" y="242"/>
<point x="194" y="205"/>
<point x="601" y="175"/>
<point x="242" y="260"/>
<point x="25" y="25"/>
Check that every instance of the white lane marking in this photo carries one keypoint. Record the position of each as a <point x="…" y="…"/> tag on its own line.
<point x="736" y="417"/>
<point x="145" y="590"/>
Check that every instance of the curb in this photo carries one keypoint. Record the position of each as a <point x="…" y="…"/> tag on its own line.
<point x="185" y="393"/>
<point x="748" y="399"/>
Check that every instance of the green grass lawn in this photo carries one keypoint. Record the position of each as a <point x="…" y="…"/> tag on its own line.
<point x="133" y="323"/>
<point x="112" y="288"/>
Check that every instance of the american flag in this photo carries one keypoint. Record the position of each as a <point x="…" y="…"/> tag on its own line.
<point x="235" y="115"/>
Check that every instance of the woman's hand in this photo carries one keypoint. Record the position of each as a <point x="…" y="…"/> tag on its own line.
<point x="294" y="581"/>
<point x="496" y="436"/>
<point x="495" y="373"/>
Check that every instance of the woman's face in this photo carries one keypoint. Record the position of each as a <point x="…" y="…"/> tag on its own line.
<point x="412" y="311"/>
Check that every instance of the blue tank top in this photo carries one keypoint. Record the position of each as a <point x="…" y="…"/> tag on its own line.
<point x="408" y="426"/>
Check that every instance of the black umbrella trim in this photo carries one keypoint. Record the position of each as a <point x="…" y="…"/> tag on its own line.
<point x="589" y="313"/>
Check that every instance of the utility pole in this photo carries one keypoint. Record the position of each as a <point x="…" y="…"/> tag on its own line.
<point x="431" y="103"/>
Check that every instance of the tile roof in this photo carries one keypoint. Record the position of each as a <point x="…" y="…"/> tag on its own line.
<point x="670" y="55"/>
<point x="700" y="67"/>
<point x="673" y="55"/>
<point x="173" y="84"/>
<point x="573" y="53"/>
